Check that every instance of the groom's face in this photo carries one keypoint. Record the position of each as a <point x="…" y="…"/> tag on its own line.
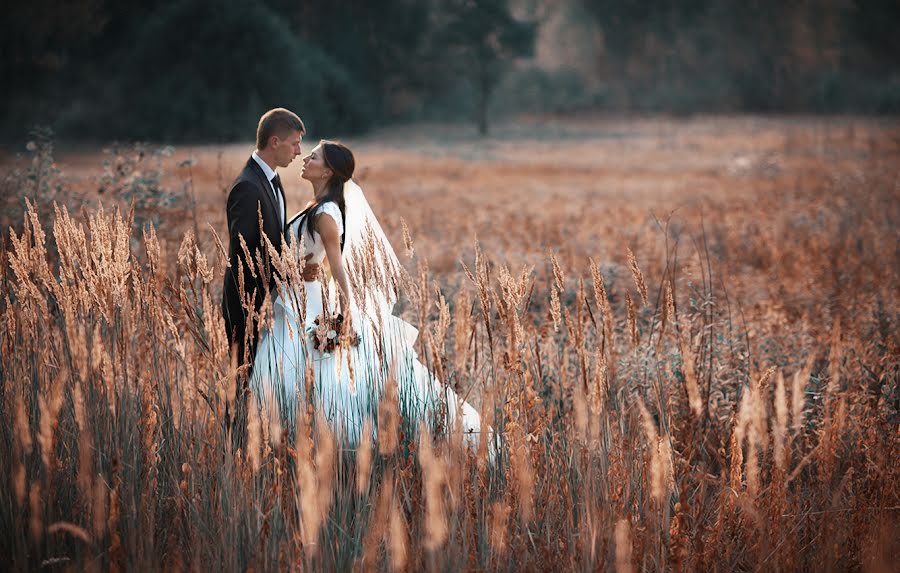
<point x="287" y="148"/>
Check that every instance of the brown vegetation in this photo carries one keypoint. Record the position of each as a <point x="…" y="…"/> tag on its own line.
<point x="683" y="332"/>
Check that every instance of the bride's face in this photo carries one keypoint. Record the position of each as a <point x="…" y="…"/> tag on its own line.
<point x="314" y="168"/>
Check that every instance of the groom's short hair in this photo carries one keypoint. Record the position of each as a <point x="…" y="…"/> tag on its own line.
<point x="278" y="121"/>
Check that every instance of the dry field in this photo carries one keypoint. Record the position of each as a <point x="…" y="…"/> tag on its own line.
<point x="684" y="333"/>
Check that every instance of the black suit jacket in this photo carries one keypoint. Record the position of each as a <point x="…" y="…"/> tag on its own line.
<point x="250" y="194"/>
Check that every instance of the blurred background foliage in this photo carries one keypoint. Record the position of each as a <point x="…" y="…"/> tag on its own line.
<point x="204" y="70"/>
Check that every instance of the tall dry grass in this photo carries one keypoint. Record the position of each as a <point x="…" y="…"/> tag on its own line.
<point x="651" y="412"/>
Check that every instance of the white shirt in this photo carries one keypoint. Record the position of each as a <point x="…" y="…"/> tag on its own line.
<point x="270" y="174"/>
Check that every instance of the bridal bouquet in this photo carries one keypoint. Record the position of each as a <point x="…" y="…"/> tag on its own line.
<point x="325" y="334"/>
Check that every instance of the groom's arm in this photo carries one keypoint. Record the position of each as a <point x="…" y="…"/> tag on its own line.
<point x="243" y="221"/>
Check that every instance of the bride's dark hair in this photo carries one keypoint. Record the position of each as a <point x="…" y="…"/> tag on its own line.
<point x="339" y="159"/>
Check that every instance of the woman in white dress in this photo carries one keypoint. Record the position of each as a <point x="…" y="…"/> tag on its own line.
<point x="297" y="360"/>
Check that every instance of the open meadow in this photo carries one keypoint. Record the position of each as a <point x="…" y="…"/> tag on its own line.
<point x="684" y="332"/>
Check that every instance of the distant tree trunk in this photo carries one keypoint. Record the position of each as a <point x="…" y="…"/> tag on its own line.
<point x="482" y="115"/>
<point x="485" y="87"/>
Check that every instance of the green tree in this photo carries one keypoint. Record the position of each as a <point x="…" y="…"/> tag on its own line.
<point x="38" y="41"/>
<point x="477" y="40"/>
<point x="208" y="68"/>
<point x="875" y="23"/>
<point x="376" y="42"/>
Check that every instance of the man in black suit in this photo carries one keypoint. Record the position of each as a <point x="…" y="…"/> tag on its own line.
<point x="257" y="190"/>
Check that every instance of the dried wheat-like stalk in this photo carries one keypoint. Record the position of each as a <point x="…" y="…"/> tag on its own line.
<point x="389" y="418"/>
<point x="485" y="438"/>
<point x="760" y="406"/>
<point x="462" y="324"/>
<point x="602" y="298"/>
<point x="23" y="431"/>
<point x="667" y="467"/>
<point x="314" y="479"/>
<point x="555" y="311"/>
<point x="688" y="360"/>
<point x="254" y="435"/>
<point x="378" y="527"/>
<point x="19" y="478"/>
<point x="270" y="419"/>
<point x="781" y="421"/>
<point x="221" y="251"/>
<point x="580" y="409"/>
<point x="668" y="310"/>
<point x="632" y="319"/>
<point x="248" y="259"/>
<point x="149" y="425"/>
<point x="499" y="526"/>
<point x="398" y="538"/>
<point x="116" y="551"/>
<point x="326" y="451"/>
<point x="661" y="470"/>
<point x="434" y="478"/>
<point x="49" y="410"/>
<point x="835" y="357"/>
<point x="521" y="471"/>
<point x="407" y="240"/>
<point x="736" y="445"/>
<point x="36" y="511"/>
<point x="753" y="418"/>
<point x="623" y="547"/>
<point x="437" y="335"/>
<point x="600" y="387"/>
<point x="558" y="276"/>
<point x="797" y="399"/>
<point x="638" y="277"/>
<point x="186" y="251"/>
<point x="100" y="507"/>
<point x="364" y="458"/>
<point x="482" y="283"/>
<point x="512" y="295"/>
<point x="71" y="529"/>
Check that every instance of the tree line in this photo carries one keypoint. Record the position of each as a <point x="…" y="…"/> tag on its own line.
<point x="203" y="70"/>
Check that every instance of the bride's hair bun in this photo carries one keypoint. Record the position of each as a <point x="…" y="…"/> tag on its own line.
<point x="339" y="158"/>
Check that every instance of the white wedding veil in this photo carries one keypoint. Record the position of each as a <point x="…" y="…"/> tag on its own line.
<point x="372" y="266"/>
<point x="375" y="275"/>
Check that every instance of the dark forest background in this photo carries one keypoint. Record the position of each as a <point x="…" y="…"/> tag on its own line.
<point x="204" y="70"/>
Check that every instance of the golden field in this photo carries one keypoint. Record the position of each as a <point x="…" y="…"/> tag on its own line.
<point x="683" y="331"/>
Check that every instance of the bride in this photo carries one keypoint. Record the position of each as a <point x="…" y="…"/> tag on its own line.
<point x="305" y="355"/>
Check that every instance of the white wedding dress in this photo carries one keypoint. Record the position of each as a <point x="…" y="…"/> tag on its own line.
<point x="347" y="384"/>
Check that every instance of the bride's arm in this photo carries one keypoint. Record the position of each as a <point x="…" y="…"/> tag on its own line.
<point x="331" y="238"/>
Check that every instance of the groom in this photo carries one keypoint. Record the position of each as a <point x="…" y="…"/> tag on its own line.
<point x="257" y="191"/>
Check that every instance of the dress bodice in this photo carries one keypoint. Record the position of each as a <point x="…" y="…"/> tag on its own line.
<point x="314" y="245"/>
